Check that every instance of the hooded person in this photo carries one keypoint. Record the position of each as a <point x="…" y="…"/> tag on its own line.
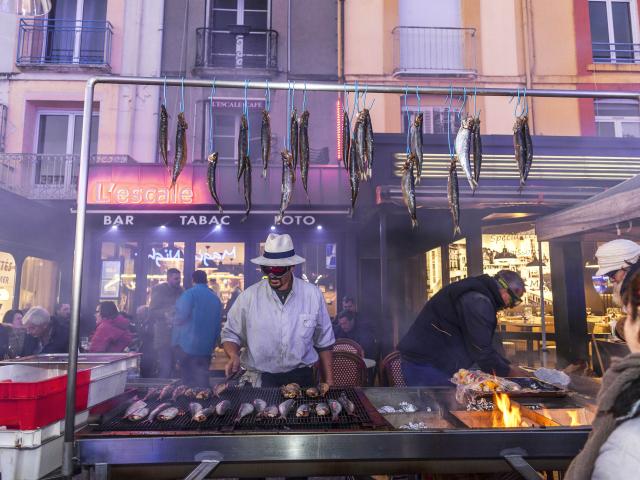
<point x="615" y="258"/>
<point x="281" y="321"/>
<point x="112" y="333"/>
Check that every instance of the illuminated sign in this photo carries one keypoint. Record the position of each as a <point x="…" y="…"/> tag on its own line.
<point x="169" y="255"/>
<point x="307" y="220"/>
<point x="115" y="193"/>
<point x="117" y="220"/>
<point x="203" y="257"/>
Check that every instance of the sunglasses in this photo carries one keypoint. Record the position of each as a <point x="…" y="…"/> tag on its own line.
<point x="274" y="271"/>
<point x="515" y="299"/>
<point x="612" y="274"/>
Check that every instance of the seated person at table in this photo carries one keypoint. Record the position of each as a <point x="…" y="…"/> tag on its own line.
<point x="44" y="334"/>
<point x="348" y="327"/>
<point x="112" y="333"/>
<point x="611" y="450"/>
<point x="456" y="327"/>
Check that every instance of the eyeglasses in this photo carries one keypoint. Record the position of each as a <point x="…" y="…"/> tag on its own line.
<point x="515" y="299"/>
<point x="274" y="271"/>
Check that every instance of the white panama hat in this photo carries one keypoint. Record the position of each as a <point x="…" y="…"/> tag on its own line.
<point x="278" y="252"/>
<point x="616" y="254"/>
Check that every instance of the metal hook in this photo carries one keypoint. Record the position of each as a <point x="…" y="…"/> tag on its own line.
<point x="418" y="97"/>
<point x="182" y="95"/>
<point x="267" y="94"/>
<point x="164" y="90"/>
<point x="304" y="97"/>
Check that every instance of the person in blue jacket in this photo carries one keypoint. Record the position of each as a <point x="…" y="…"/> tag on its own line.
<point x="196" y="329"/>
<point x="456" y="328"/>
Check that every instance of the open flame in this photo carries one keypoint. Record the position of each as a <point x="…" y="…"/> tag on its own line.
<point x="507" y="415"/>
<point x="573" y="415"/>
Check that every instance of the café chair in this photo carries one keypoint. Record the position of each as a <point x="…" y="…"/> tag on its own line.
<point x="348" y="345"/>
<point x="391" y="371"/>
<point x="349" y="369"/>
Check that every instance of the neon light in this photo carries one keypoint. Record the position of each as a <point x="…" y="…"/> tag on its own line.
<point x="132" y="194"/>
<point x="339" y="139"/>
<point x="169" y="256"/>
<point x="217" y="257"/>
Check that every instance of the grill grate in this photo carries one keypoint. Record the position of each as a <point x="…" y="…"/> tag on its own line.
<point x="359" y="420"/>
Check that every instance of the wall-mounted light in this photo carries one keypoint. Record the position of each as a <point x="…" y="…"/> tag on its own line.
<point x="273" y="228"/>
<point x="319" y="227"/>
<point x="217" y="228"/>
<point x="163" y="227"/>
<point x="114" y="227"/>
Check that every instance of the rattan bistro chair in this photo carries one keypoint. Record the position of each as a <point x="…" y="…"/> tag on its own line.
<point x="391" y="372"/>
<point x="349" y="370"/>
<point x="348" y="345"/>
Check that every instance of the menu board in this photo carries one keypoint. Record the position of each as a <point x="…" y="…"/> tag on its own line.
<point x="110" y="279"/>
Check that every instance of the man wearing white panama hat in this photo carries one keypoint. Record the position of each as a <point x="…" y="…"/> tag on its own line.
<point x="614" y="259"/>
<point x="279" y="327"/>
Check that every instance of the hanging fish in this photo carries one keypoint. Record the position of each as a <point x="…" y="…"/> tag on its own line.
<point x="212" y="161"/>
<point x="463" y="150"/>
<point x="163" y="135"/>
<point x="416" y="144"/>
<point x="477" y="148"/>
<point x="354" y="174"/>
<point x="520" y="147"/>
<point x="243" y="143"/>
<point x="368" y="150"/>
<point x="247" y="187"/>
<point x="293" y="132"/>
<point x="303" y="139"/>
<point x="409" y="187"/>
<point x="181" y="149"/>
<point x="346" y="139"/>
<point x="528" y="147"/>
<point x="453" y="196"/>
<point x="286" y="189"/>
<point x="265" y="142"/>
<point x="360" y="137"/>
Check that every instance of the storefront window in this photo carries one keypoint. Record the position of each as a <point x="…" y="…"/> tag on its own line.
<point x="7" y="281"/>
<point x="224" y="265"/>
<point x="518" y="251"/>
<point x="434" y="271"/>
<point x="320" y="269"/>
<point x="117" y="274"/>
<point x="39" y="284"/>
<point x="160" y="257"/>
<point x="458" y="260"/>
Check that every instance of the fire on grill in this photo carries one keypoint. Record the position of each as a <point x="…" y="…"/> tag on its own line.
<point x="506" y="414"/>
<point x="250" y="409"/>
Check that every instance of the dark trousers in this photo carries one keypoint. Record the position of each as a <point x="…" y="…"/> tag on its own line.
<point x="194" y="369"/>
<point x="302" y="376"/>
<point x="423" y="375"/>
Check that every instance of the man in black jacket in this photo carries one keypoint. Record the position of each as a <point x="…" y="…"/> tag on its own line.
<point x="455" y="330"/>
<point x="44" y="334"/>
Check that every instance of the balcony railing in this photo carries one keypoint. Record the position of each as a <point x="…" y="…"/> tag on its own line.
<point x="44" y="42"/>
<point x="616" y="52"/>
<point x="46" y="176"/>
<point x="434" y="51"/>
<point x="237" y="48"/>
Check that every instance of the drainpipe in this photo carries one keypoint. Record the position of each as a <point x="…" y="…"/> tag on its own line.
<point x="288" y="37"/>
<point x="529" y="56"/>
<point x="341" y="40"/>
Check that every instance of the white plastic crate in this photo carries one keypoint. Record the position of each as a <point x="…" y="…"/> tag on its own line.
<point x="31" y="454"/>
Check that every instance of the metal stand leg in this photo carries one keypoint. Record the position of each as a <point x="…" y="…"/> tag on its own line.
<point x="208" y="463"/>
<point x="514" y="458"/>
<point x="101" y="471"/>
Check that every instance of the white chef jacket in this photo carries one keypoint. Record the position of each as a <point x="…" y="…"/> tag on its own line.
<point x="279" y="337"/>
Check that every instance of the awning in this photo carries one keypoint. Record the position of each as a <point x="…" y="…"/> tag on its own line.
<point x="620" y="203"/>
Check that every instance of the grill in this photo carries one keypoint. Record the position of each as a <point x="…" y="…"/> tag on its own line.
<point x="364" y="417"/>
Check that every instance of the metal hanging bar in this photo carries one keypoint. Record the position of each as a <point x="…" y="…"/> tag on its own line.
<point x="83" y="174"/>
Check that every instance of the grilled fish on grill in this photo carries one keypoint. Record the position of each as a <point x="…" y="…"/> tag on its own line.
<point x="312" y="392"/>
<point x="190" y="393"/>
<point x="223" y="407"/>
<point x="180" y="159"/>
<point x="347" y="404"/>
<point x="416" y="145"/>
<point x="463" y="150"/>
<point x="178" y="392"/>
<point x="138" y="414"/>
<point x="323" y="388"/>
<point x="151" y="394"/>
<point x="290" y="390"/>
<point x="335" y="408"/>
<point x="168" y="414"/>
<point x="201" y="415"/>
<point x="163" y="135"/>
<point x="156" y="411"/>
<point x="285" y="407"/>
<point x="166" y="392"/>
<point x="271" y="411"/>
<point x="219" y="388"/>
<point x="259" y="405"/>
<point x="194" y="407"/>
<point x="265" y="142"/>
<point x="322" y="409"/>
<point x="134" y="407"/>
<point x="244" y="410"/>
<point x="303" y="410"/>
<point x="203" y="394"/>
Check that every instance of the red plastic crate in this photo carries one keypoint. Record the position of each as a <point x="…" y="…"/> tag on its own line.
<point x="27" y="405"/>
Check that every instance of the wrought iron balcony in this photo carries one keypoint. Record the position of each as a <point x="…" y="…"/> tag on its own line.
<point x="239" y="47"/>
<point x="46" y="176"/>
<point x="43" y="42"/>
<point x="616" y="52"/>
<point x="434" y="51"/>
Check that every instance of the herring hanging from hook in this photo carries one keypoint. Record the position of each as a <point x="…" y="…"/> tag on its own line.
<point x="265" y="133"/>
